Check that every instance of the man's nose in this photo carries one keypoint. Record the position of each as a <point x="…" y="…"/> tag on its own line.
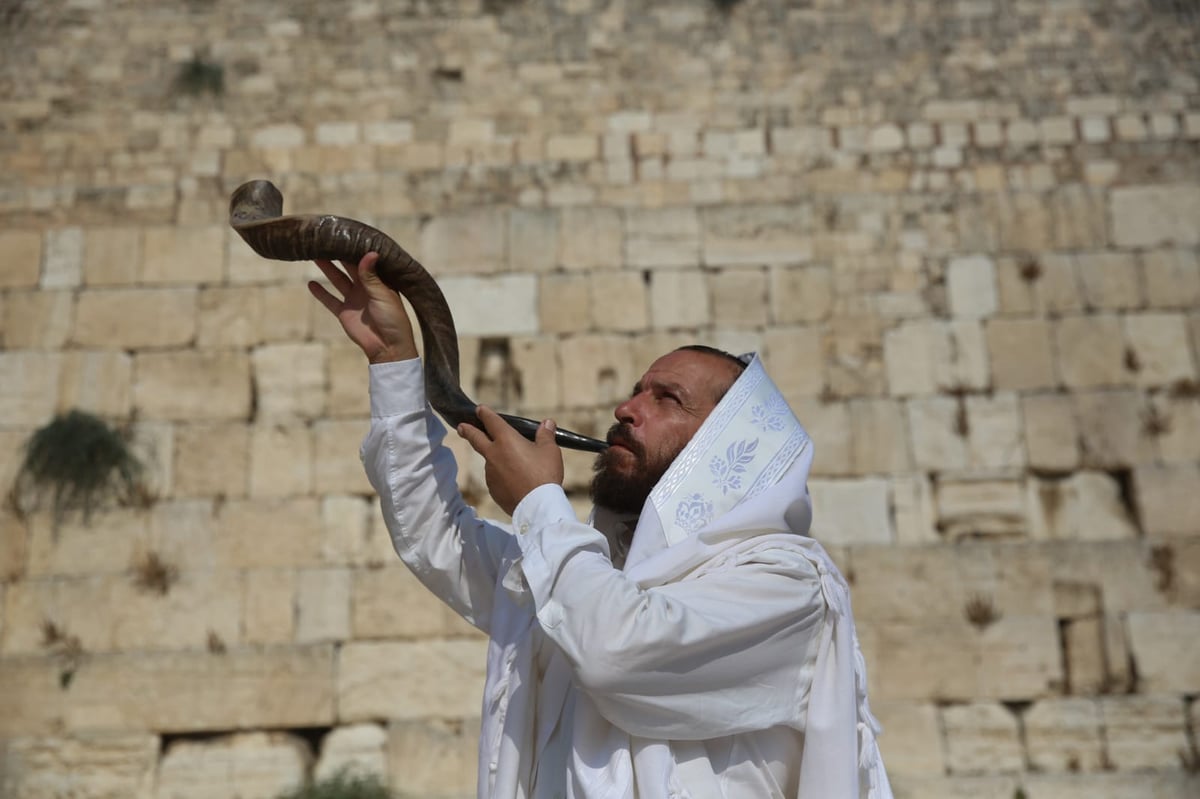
<point x="626" y="412"/>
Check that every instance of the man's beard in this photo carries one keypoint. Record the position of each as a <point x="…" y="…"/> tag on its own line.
<point x="626" y="492"/>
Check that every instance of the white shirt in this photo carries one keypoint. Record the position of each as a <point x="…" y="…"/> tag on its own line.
<point x="693" y="681"/>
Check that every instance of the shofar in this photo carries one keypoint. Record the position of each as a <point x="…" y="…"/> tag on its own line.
<point x="255" y="212"/>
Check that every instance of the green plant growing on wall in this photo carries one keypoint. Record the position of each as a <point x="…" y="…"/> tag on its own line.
<point x="345" y="784"/>
<point x="80" y="462"/>
<point x="153" y="574"/>
<point x="200" y="76"/>
<point x="63" y="647"/>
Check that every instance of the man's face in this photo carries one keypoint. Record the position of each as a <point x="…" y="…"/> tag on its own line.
<point x="665" y="410"/>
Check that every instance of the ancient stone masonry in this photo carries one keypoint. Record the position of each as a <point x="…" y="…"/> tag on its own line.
<point x="964" y="236"/>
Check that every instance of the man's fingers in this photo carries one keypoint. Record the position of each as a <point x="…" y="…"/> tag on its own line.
<point x="474" y="436"/>
<point x="340" y="280"/>
<point x="492" y="422"/>
<point x="545" y="434"/>
<point x="332" y="303"/>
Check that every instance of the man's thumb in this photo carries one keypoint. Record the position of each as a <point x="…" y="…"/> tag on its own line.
<point x="545" y="433"/>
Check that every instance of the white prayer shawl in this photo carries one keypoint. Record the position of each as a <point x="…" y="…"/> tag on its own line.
<point x="731" y="515"/>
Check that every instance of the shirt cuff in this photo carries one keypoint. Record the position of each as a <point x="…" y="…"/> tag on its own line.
<point x="396" y="387"/>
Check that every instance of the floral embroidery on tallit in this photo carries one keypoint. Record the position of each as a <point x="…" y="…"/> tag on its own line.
<point x="693" y="512"/>
<point x="727" y="470"/>
<point x="771" y="415"/>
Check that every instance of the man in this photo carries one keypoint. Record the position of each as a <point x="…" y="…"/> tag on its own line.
<point x="688" y="641"/>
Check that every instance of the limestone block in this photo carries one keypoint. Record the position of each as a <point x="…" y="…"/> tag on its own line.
<point x="597" y="370"/>
<point x="533" y="240"/>
<point x="667" y="237"/>
<point x="1112" y="430"/>
<point x="756" y="234"/>
<point x="183" y="532"/>
<point x="489" y="306"/>
<point x="1086" y="505"/>
<point x="989" y="786"/>
<point x="107" y="765"/>
<point x="679" y="299"/>
<point x="435" y="758"/>
<point x="111" y="256"/>
<point x="1144" y="731"/>
<point x="212" y="459"/>
<point x="1079" y="216"/>
<point x="828" y="425"/>
<point x="248" y="267"/>
<point x="192" y="385"/>
<point x="62" y="258"/>
<point x="971" y="286"/>
<point x="913" y="510"/>
<point x="391" y="603"/>
<point x="29" y="384"/>
<point x="228" y="317"/>
<point x="618" y="301"/>
<point x="21" y="266"/>
<point x="1085" y="656"/>
<point x="1057" y="286"/>
<point x="572" y="147"/>
<point x="936" y="433"/>
<point x="356" y="749"/>
<point x="347" y="380"/>
<point x="402" y="680"/>
<point x="1020" y="354"/>
<point x="284" y="532"/>
<point x="1109" y="280"/>
<point x="268" y="606"/>
<point x="1166" y="648"/>
<point x="1168" y="784"/>
<point x="336" y="463"/>
<point x="1091" y="351"/>
<point x="100" y="382"/>
<point x="182" y="255"/>
<point x="171" y="691"/>
<point x="249" y="764"/>
<point x="800" y="293"/>
<point x="589" y="238"/>
<point x="1159" y="346"/>
<point x="289" y="380"/>
<point x="1180" y="442"/>
<point x="350" y="537"/>
<point x="1051" y="437"/>
<point x="739" y="298"/>
<point x="1149" y="216"/>
<point x="322" y="605"/>
<point x="564" y="304"/>
<point x="37" y="320"/>
<point x="469" y="242"/>
<point x="911" y="742"/>
<point x="981" y="738"/>
<point x="973" y="508"/>
<point x="111" y="613"/>
<point x="924" y="356"/>
<point x="135" y="318"/>
<point x="795" y="358"/>
<point x="851" y="511"/>
<point x="1064" y="735"/>
<point x="994" y="437"/>
<point x="1172" y="278"/>
<point x="1167" y="499"/>
<point x="880" y="436"/>
<point x="281" y="460"/>
<point x="71" y="547"/>
<point x="281" y="136"/>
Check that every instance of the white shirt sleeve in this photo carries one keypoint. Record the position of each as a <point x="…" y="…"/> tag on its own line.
<point x="730" y="650"/>
<point x="453" y="552"/>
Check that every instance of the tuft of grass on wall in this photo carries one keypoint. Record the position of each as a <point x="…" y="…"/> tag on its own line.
<point x="345" y="784"/>
<point x="200" y="76"/>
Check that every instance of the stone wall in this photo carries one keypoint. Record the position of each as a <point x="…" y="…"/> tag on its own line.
<point x="962" y="234"/>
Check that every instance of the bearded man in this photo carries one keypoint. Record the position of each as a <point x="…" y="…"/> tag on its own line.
<point x="689" y="640"/>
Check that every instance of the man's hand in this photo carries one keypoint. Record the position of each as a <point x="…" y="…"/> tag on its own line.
<point x="515" y="466"/>
<point x="372" y="315"/>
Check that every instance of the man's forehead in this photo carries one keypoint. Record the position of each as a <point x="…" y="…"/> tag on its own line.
<point x="686" y="369"/>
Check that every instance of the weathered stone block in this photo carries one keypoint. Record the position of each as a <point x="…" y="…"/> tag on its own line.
<point x="489" y="306"/>
<point x="1064" y="735"/>
<point x="564" y="304"/>
<point x="1172" y="278"/>
<point x="739" y="298"/>
<point x="356" y="749"/>
<point x="533" y="240"/>
<point x="336" y="463"/>
<point x="36" y="320"/>
<point x="1086" y="505"/>
<point x="1020" y="354"/>
<point x="1166" y="784"/>
<point x="913" y="510"/>
<point x="925" y="356"/>
<point x="880" y="436"/>
<point x="322" y="605"/>
<point x="971" y="508"/>
<point x="1149" y="216"/>
<point x="994" y="439"/>
<point x="192" y="385"/>
<point x="971" y="286"/>
<point x="795" y="358"/>
<point x="1110" y="280"/>
<point x="1051" y="432"/>
<point x="1167" y="499"/>
<point x="281" y="460"/>
<point x="755" y="235"/>
<point x="617" y="301"/>
<point x="251" y="764"/>
<point x="1144" y="731"/>
<point x="21" y="266"/>
<point x="268" y="606"/>
<point x="851" y="511"/>
<point x="111" y="765"/>
<point x="981" y="738"/>
<point x="395" y="680"/>
<point x="1158" y="349"/>
<point x="135" y="318"/>
<point x="1166" y="648"/>
<point x="171" y="692"/>
<point x="1112" y="429"/>
<point x="828" y="425"/>
<point x="668" y="237"/>
<point x="937" y="433"/>
<point x="211" y="459"/>
<point x="589" y="238"/>
<point x="436" y="758"/>
<point x="286" y="532"/>
<point x="29" y="384"/>
<point x="1091" y="351"/>
<point x="182" y="255"/>
<point x="911" y="742"/>
<point x="289" y="380"/>
<point x="62" y="258"/>
<point x="597" y="370"/>
<point x="100" y="382"/>
<point x="378" y="593"/>
<point x="469" y="242"/>
<point x="679" y="298"/>
<point x="800" y="293"/>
